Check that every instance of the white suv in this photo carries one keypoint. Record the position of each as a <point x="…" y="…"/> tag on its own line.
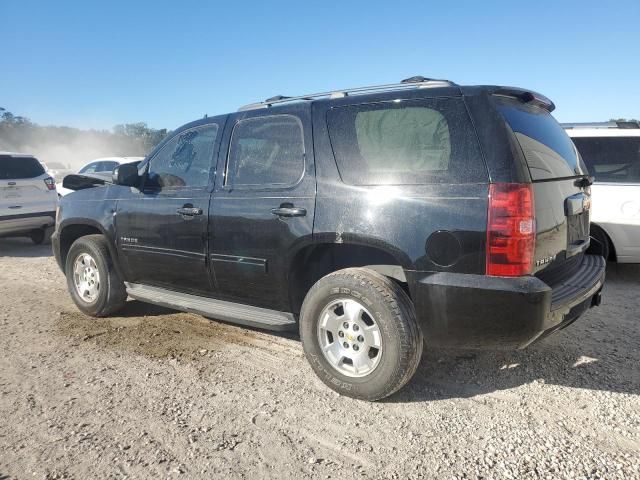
<point x="28" y="198"/>
<point x="611" y="151"/>
<point x="100" y="167"/>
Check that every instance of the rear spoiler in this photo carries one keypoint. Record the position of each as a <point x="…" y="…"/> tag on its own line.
<point x="526" y="96"/>
<point x="80" y="182"/>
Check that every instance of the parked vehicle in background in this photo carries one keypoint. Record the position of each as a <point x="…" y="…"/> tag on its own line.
<point x="369" y="219"/>
<point x="99" y="168"/>
<point x="611" y="151"/>
<point x="28" y="198"/>
<point x="58" y="170"/>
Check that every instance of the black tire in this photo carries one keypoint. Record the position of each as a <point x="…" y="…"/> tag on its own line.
<point x="402" y="339"/>
<point x="601" y="236"/>
<point x="112" y="294"/>
<point x="37" y="236"/>
<point x="41" y="235"/>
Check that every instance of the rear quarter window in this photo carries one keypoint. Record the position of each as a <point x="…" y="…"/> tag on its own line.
<point x="19" y="167"/>
<point x="547" y="148"/>
<point x="611" y="159"/>
<point x="405" y="142"/>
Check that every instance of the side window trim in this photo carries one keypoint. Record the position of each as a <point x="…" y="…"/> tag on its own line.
<point x="228" y="186"/>
<point x="146" y="165"/>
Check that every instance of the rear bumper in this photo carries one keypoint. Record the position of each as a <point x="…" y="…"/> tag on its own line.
<point x="478" y="311"/>
<point x="23" y="223"/>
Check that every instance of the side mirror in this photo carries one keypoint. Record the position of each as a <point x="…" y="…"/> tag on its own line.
<point x="126" y="175"/>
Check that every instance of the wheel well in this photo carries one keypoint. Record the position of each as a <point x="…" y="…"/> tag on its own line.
<point x="70" y="234"/>
<point x="315" y="261"/>
<point x="612" y="247"/>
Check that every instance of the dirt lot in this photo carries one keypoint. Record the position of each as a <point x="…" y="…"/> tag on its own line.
<point x="158" y="394"/>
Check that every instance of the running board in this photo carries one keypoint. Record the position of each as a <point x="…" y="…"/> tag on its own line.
<point x="211" y="307"/>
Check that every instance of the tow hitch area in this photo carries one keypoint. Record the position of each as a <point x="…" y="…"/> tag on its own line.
<point x="597" y="299"/>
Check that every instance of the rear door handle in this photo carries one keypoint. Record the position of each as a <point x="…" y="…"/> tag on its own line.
<point x="289" y="211"/>
<point x="189" y="211"/>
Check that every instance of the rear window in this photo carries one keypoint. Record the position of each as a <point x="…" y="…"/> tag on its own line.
<point x="611" y="159"/>
<point x="405" y="142"/>
<point x="19" y="167"/>
<point x="547" y="148"/>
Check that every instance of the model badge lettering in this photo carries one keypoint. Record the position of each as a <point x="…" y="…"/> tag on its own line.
<point x="128" y="240"/>
<point x="545" y="260"/>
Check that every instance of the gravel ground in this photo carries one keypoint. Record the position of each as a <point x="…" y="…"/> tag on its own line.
<point x="158" y="394"/>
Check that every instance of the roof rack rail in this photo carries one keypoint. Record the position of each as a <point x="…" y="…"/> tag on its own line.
<point x="620" y="124"/>
<point x="417" y="81"/>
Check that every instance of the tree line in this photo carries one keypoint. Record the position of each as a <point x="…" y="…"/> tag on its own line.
<point x="74" y="146"/>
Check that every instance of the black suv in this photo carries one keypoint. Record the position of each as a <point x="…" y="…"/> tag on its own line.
<point x="369" y="219"/>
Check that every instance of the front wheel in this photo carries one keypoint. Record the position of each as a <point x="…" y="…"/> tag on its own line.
<point x="360" y="334"/>
<point x="94" y="285"/>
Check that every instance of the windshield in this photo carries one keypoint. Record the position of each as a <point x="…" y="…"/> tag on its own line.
<point x="547" y="148"/>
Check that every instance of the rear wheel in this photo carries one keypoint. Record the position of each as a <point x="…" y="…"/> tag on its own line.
<point x="94" y="285"/>
<point x="359" y="332"/>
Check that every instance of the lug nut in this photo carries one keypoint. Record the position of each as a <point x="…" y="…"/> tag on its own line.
<point x="356" y="348"/>
<point x="345" y="345"/>
<point x="360" y="338"/>
<point x="356" y="328"/>
<point x="341" y="334"/>
<point x="345" y="325"/>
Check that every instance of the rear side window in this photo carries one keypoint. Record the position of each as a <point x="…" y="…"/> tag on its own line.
<point x="91" y="168"/>
<point x="547" y="148"/>
<point x="405" y="142"/>
<point x="107" y="166"/>
<point x="19" y="167"/>
<point x="611" y="159"/>
<point x="266" y="151"/>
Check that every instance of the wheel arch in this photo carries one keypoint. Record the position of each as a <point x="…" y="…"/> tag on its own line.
<point x="315" y="260"/>
<point x="612" y="246"/>
<point x="73" y="230"/>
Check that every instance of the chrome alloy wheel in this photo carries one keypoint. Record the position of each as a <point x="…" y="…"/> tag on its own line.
<point x="350" y="338"/>
<point x="86" y="277"/>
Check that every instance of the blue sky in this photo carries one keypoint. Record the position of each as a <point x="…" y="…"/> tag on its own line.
<point x="95" y="64"/>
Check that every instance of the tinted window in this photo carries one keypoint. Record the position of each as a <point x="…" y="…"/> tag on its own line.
<point x="611" y="159"/>
<point x="408" y="142"/>
<point x="185" y="160"/>
<point x="548" y="150"/>
<point x="266" y="151"/>
<point x="19" y="167"/>
<point x="91" y="168"/>
<point x="106" y="166"/>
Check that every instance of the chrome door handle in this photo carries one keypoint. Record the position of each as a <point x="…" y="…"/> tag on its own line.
<point x="289" y="211"/>
<point x="189" y="211"/>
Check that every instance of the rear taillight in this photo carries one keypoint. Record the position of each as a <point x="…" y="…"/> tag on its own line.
<point x="511" y="229"/>
<point x="50" y="183"/>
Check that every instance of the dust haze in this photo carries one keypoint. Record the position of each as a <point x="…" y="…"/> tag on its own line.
<point x="76" y="151"/>
<point x="73" y="147"/>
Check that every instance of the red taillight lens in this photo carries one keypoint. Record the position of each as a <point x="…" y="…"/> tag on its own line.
<point x="511" y="229"/>
<point x="50" y="183"/>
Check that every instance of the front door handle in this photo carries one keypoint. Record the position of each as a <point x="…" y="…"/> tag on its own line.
<point x="289" y="211"/>
<point x="189" y="211"/>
